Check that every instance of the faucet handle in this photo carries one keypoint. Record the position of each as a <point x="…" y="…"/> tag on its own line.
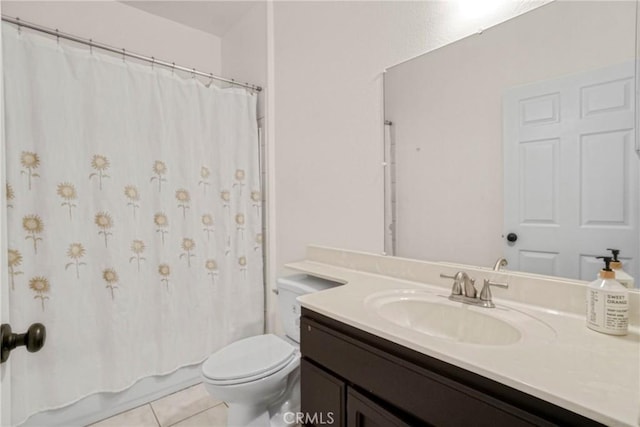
<point x="485" y="293"/>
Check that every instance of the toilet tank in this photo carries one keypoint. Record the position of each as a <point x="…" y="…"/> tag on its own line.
<point x="290" y="288"/>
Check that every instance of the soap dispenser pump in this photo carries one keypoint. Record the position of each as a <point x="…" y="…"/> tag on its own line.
<point x="607" y="303"/>
<point x="621" y="276"/>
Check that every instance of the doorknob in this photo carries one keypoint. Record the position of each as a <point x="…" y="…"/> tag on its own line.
<point x="512" y="237"/>
<point x="33" y="339"/>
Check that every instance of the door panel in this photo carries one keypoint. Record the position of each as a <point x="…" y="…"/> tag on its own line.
<point x="539" y="182"/>
<point x="571" y="173"/>
<point x="540" y="262"/>
<point x="602" y="155"/>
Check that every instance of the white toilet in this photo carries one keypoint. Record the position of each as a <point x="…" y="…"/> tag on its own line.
<point x="259" y="377"/>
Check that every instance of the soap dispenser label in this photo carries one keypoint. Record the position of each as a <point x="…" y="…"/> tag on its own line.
<point x="616" y="312"/>
<point x="595" y="308"/>
<point x="607" y="312"/>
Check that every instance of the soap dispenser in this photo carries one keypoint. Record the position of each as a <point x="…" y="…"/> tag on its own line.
<point x="621" y="276"/>
<point x="607" y="303"/>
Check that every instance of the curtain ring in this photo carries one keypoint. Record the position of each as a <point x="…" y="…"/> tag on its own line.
<point x="19" y="26"/>
<point x="210" y="79"/>
<point x="124" y="53"/>
<point x="57" y="36"/>
<point x="153" y="61"/>
<point x="91" y="46"/>
<point x="173" y="67"/>
<point x="193" y="73"/>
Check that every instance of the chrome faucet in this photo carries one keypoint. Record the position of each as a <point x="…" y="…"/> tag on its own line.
<point x="501" y="262"/>
<point x="462" y="284"/>
<point x="464" y="290"/>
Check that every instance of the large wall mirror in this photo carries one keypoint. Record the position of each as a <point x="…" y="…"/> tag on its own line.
<point x="520" y="142"/>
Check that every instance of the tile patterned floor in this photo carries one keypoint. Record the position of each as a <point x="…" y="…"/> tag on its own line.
<point x="191" y="407"/>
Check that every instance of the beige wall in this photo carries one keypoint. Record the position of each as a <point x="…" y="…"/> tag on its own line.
<point x="122" y="26"/>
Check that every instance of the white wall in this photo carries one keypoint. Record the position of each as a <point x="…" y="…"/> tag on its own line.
<point x="328" y="62"/>
<point x="122" y="26"/>
<point x="244" y="50"/>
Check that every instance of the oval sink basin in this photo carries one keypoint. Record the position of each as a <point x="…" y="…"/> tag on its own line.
<point x="437" y="316"/>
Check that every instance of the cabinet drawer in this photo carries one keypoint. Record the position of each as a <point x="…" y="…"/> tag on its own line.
<point x="419" y="392"/>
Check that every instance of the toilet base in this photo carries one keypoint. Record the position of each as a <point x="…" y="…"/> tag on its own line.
<point x="281" y="413"/>
<point x="272" y="401"/>
<point x="247" y="415"/>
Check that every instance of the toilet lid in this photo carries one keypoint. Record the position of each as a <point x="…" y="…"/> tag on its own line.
<point x="253" y="357"/>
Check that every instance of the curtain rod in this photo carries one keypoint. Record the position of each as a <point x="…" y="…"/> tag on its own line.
<point x="123" y="52"/>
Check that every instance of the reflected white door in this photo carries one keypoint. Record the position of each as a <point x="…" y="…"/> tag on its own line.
<point x="571" y="173"/>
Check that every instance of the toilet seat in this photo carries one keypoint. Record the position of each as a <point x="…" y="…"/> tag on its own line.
<point x="247" y="360"/>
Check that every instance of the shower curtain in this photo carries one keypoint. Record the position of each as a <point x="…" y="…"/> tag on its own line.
<point x="134" y="219"/>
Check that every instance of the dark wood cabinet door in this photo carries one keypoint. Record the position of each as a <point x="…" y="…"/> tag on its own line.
<point x="411" y="384"/>
<point x="363" y="412"/>
<point x="323" y="396"/>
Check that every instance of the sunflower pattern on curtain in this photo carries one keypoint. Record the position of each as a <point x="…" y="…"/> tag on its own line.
<point x="134" y="219"/>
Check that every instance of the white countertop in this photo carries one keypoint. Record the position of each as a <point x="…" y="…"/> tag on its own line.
<point x="592" y="374"/>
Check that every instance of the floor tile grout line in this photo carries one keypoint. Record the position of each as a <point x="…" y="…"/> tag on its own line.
<point x="154" y="414"/>
<point x="185" y="416"/>
<point x="153" y="411"/>
<point x="175" y="392"/>
<point x="168" y="395"/>
<point x="196" y="413"/>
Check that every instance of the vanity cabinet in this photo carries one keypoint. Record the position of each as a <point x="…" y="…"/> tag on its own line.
<point x="354" y="378"/>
